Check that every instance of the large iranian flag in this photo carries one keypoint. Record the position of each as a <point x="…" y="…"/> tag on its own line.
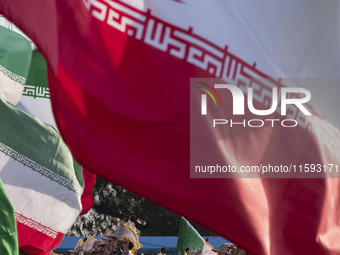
<point x="119" y="76"/>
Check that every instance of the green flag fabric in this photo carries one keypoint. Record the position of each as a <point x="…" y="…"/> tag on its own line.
<point x="188" y="237"/>
<point x="8" y="228"/>
<point x="15" y="59"/>
<point x="37" y="74"/>
<point x="35" y="98"/>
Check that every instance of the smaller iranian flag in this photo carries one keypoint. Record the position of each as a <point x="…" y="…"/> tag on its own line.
<point x="188" y="238"/>
<point x="43" y="182"/>
<point x="40" y="177"/>
<point x="8" y="228"/>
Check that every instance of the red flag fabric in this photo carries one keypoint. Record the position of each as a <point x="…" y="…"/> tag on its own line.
<point x="119" y="78"/>
<point x="87" y="196"/>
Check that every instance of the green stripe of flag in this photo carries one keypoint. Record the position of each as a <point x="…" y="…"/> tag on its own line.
<point x="37" y="74"/>
<point x="8" y="227"/>
<point x="15" y="55"/>
<point x="37" y="82"/>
